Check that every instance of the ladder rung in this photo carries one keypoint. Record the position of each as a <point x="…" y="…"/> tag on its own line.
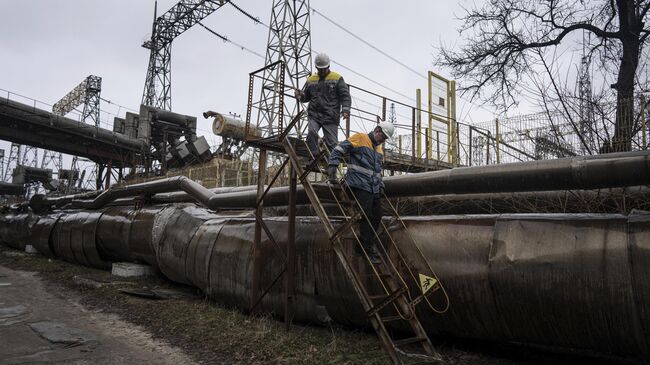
<point x="347" y="225"/>
<point x="340" y="201"/>
<point x="406" y="341"/>
<point x="380" y="274"/>
<point x="387" y="300"/>
<point x="392" y="319"/>
<point x="378" y="296"/>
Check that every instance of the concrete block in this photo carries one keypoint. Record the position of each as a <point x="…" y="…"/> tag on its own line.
<point x="129" y="269"/>
<point x="30" y="249"/>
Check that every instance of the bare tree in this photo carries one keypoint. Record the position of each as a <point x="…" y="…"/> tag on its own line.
<point x="502" y="40"/>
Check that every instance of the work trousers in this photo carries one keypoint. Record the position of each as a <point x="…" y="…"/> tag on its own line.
<point x="371" y="205"/>
<point x="330" y="134"/>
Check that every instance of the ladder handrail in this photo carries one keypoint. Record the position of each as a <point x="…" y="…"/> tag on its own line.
<point x="403" y="258"/>
<point x="397" y="292"/>
<point x="325" y="218"/>
<point x="423" y="259"/>
<point x="377" y="275"/>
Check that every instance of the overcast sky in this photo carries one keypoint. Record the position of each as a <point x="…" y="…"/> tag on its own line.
<point x="49" y="46"/>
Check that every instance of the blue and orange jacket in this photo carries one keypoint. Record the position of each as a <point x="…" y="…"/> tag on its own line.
<point x="364" y="164"/>
<point x="326" y="97"/>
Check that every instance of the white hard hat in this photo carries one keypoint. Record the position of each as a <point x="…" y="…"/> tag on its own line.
<point x="387" y="128"/>
<point x="322" y="60"/>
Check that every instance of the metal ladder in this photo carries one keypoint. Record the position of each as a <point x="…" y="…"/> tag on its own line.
<point x="394" y="301"/>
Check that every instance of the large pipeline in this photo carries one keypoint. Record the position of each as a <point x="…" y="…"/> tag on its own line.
<point x="572" y="281"/>
<point x="610" y="200"/>
<point x="592" y="172"/>
<point x="48" y="120"/>
<point x="587" y="172"/>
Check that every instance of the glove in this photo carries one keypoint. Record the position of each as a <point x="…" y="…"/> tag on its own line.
<point x="331" y="172"/>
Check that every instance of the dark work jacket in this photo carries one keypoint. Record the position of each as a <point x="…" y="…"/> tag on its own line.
<point x="326" y="96"/>
<point x="364" y="164"/>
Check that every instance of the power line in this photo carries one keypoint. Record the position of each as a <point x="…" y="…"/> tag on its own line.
<point x="255" y="19"/>
<point x="371" y="80"/>
<point x="388" y="55"/>
<point x="121" y="106"/>
<point x="258" y="21"/>
<point x="225" y="39"/>
<point x="368" y="43"/>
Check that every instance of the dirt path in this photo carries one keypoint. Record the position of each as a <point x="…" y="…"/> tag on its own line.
<point x="40" y="323"/>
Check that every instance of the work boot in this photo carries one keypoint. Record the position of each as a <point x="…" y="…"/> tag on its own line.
<point x="373" y="255"/>
<point x="317" y="164"/>
<point x="371" y="251"/>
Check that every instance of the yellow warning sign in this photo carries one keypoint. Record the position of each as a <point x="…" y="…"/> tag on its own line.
<point x="426" y="283"/>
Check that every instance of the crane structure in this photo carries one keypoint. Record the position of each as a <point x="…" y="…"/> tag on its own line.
<point x="178" y="19"/>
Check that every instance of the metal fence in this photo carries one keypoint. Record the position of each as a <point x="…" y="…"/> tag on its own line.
<point x="556" y="134"/>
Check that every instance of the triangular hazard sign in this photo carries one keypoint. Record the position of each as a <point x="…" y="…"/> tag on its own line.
<point x="426" y="283"/>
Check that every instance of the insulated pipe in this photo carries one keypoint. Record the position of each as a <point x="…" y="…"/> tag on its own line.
<point x="568" y="173"/>
<point x="40" y="202"/>
<point x="611" y="200"/>
<point x="181" y="196"/>
<point x="197" y="191"/>
<point x="45" y="119"/>
<point x="594" y="172"/>
<point x="171" y="117"/>
<point x="538" y="279"/>
<point x="626" y="169"/>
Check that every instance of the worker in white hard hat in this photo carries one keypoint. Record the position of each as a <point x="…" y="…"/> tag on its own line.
<point x="363" y="179"/>
<point x="329" y="100"/>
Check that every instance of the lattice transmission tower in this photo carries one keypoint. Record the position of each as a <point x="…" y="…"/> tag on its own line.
<point x="20" y="155"/>
<point x="182" y="16"/>
<point x="88" y="94"/>
<point x="13" y="161"/>
<point x="585" y="95"/>
<point x="2" y="163"/>
<point x="289" y="41"/>
<point x="392" y="116"/>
